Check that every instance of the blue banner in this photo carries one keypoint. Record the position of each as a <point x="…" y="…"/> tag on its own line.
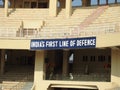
<point x="73" y="43"/>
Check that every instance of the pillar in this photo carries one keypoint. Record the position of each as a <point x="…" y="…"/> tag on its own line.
<point x="106" y="2"/>
<point x="65" y="62"/>
<point x="86" y="3"/>
<point x="115" y="66"/>
<point x="83" y="3"/>
<point x="68" y="8"/>
<point x="115" y="1"/>
<point x="62" y="3"/>
<point x="53" y="8"/>
<point x="45" y="63"/>
<point x="98" y="2"/>
<point x="6" y="8"/>
<point x="39" y="68"/>
<point x="2" y="68"/>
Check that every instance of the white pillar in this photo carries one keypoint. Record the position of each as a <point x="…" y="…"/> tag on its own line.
<point x="115" y="1"/>
<point x="65" y="62"/>
<point x="98" y="2"/>
<point x="6" y="8"/>
<point x="53" y="8"/>
<point x="68" y="8"/>
<point x="2" y="68"/>
<point x="39" y="67"/>
<point x="115" y="72"/>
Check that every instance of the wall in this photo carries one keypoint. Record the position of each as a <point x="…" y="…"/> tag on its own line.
<point x="14" y="44"/>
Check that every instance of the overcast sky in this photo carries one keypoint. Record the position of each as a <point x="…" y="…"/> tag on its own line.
<point x="78" y="2"/>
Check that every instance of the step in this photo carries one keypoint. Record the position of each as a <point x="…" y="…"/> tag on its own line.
<point x="27" y="86"/>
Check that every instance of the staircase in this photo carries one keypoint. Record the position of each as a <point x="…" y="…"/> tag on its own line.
<point x="28" y="14"/>
<point x="9" y="28"/>
<point x="2" y="15"/>
<point x="110" y="15"/>
<point x="16" y="80"/>
<point x="9" y="85"/>
<point x="108" y="22"/>
<point x="87" y="18"/>
<point x="93" y="16"/>
<point x="58" y="27"/>
<point x="27" y="86"/>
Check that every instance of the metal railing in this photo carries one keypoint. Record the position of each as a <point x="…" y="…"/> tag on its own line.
<point x="95" y="30"/>
<point x="71" y="31"/>
<point x="100" y="77"/>
<point x="33" y="87"/>
<point x="18" y="86"/>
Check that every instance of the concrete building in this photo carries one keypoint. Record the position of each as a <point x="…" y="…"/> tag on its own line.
<point x="52" y="45"/>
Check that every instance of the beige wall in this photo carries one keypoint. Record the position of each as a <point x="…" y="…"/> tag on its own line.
<point x="108" y="40"/>
<point x="14" y="44"/>
<point x="115" y="73"/>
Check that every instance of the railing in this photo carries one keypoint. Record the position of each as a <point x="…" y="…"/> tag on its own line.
<point x="18" y="86"/>
<point x="71" y="31"/>
<point x="100" y="77"/>
<point x="9" y="85"/>
<point x="33" y="87"/>
<point x="8" y="32"/>
<point x="95" y="30"/>
<point x="93" y="16"/>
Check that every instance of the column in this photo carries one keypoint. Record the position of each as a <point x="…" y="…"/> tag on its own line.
<point x="45" y="63"/>
<point x="2" y="68"/>
<point x="115" y="66"/>
<point x="88" y="2"/>
<point x="68" y="8"/>
<point x="106" y="2"/>
<point x="98" y="2"/>
<point x="62" y="3"/>
<point x="53" y="8"/>
<point x="6" y="8"/>
<point x="115" y="1"/>
<point x="65" y="62"/>
<point x="83" y="3"/>
<point x="39" y="67"/>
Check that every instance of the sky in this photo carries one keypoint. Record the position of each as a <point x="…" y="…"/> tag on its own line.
<point x="1" y="3"/>
<point x="78" y="2"/>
